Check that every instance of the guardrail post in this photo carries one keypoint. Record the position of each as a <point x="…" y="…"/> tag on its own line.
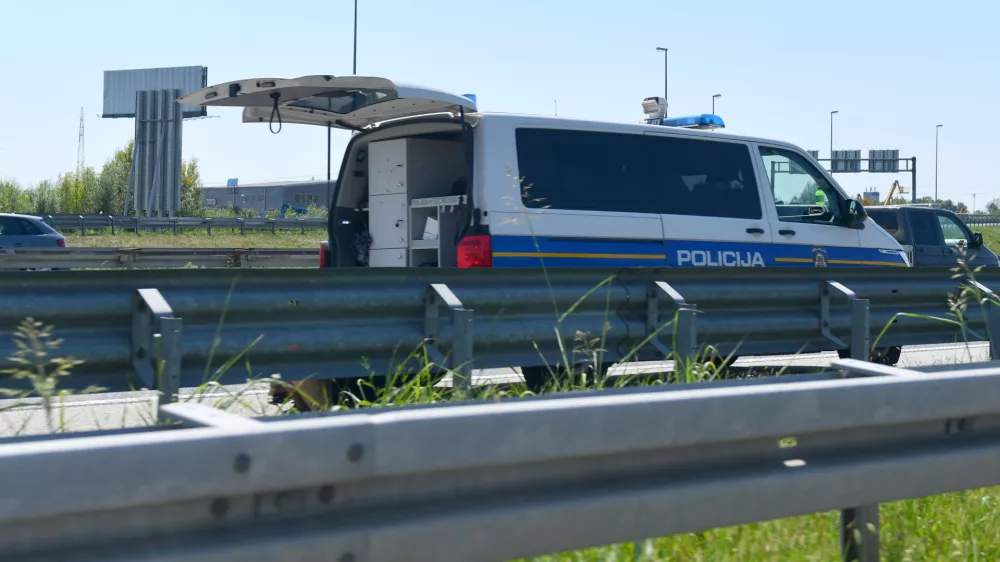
<point x="137" y="228"/>
<point x="859" y="526"/>
<point x="83" y="231"/>
<point x="173" y="226"/>
<point x="209" y="220"/>
<point x="860" y="341"/>
<point x="439" y="294"/>
<point x="859" y="534"/>
<point x="242" y="226"/>
<point x="303" y="225"/>
<point x="685" y="329"/>
<point x="153" y="321"/>
<point x="112" y="219"/>
<point x="992" y="316"/>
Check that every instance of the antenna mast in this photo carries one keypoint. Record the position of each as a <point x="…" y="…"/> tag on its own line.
<point x="79" y="149"/>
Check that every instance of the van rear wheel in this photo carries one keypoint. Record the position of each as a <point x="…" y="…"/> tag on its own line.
<point x="539" y="379"/>
<point x="882" y="355"/>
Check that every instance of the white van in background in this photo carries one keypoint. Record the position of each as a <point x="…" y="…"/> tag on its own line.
<point x="429" y="181"/>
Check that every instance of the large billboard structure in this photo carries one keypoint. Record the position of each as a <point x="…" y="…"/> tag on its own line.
<point x="150" y="97"/>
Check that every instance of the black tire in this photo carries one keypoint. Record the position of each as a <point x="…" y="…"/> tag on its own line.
<point x="537" y="379"/>
<point x="882" y="355"/>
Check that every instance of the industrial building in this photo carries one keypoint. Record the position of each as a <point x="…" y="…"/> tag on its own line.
<point x="270" y="195"/>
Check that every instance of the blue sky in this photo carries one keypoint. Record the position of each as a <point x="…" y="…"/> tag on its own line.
<point x="892" y="69"/>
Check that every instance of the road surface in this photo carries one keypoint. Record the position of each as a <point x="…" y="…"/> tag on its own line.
<point x="133" y="409"/>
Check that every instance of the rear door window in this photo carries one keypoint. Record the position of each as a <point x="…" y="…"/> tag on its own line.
<point x="632" y="173"/>
<point x="29" y="227"/>
<point x="925" y="228"/>
<point x="888" y="219"/>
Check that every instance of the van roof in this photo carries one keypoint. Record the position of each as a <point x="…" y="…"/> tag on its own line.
<point x="358" y="102"/>
<point x="550" y="120"/>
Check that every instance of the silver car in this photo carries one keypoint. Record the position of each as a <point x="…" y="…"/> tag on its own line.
<point x="26" y="231"/>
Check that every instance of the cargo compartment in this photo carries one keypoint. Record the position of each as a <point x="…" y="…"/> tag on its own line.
<point x="403" y="201"/>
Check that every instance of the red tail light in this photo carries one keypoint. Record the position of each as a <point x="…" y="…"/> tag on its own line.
<point x="475" y="251"/>
<point x="61" y="242"/>
<point x="324" y="251"/>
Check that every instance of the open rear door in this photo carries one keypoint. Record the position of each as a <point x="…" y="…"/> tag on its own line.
<point x="347" y="102"/>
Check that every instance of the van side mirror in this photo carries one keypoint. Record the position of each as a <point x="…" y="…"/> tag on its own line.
<point x="856" y="215"/>
<point x="977" y="240"/>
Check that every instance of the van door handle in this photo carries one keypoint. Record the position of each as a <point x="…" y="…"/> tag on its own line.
<point x="755" y="231"/>
<point x="786" y="232"/>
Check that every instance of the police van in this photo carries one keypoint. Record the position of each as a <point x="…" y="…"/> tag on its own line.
<point x="427" y="180"/>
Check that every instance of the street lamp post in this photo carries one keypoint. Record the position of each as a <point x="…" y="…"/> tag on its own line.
<point x="832" y="113"/>
<point x="329" y="126"/>
<point x="666" y="83"/>
<point x="936" y="131"/>
<point x="713" y="102"/>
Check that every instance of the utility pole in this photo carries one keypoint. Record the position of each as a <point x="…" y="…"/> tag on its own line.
<point x="832" y="113"/>
<point x="936" y="131"/>
<point x="666" y="83"/>
<point x="972" y="211"/>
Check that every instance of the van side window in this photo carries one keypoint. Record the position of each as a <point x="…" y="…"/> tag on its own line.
<point x="801" y="193"/>
<point x="616" y="172"/>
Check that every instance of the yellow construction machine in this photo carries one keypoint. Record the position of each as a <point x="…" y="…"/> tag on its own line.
<point x="895" y="185"/>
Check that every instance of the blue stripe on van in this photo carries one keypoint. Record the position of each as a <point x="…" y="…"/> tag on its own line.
<point x="525" y="251"/>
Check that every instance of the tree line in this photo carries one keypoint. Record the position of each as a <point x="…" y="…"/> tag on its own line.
<point x="89" y="192"/>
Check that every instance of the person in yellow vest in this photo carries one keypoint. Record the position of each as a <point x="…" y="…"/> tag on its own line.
<point x="820" y="197"/>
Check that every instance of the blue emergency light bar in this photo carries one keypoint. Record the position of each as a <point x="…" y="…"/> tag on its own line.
<point x="703" y="121"/>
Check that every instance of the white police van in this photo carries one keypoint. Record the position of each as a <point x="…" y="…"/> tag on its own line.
<point x="429" y="181"/>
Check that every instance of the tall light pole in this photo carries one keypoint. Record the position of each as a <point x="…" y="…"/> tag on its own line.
<point x="713" y="102"/>
<point x="666" y="83"/>
<point x="936" y="131"/>
<point x="354" y="68"/>
<point x="832" y="113"/>
<point x="329" y="125"/>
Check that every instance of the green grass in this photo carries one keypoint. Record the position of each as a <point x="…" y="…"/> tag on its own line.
<point x="960" y="526"/>
<point x="199" y="239"/>
<point x="991" y="236"/>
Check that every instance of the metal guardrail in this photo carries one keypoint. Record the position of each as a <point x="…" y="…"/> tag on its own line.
<point x="130" y="258"/>
<point x="82" y="223"/>
<point x="350" y="323"/>
<point x="479" y="481"/>
<point x="981" y="220"/>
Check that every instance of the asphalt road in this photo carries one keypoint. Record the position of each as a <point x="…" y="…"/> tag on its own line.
<point x="133" y="409"/>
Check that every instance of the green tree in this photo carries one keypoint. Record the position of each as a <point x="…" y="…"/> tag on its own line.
<point x="13" y="198"/>
<point x="44" y="199"/>
<point x="72" y="189"/>
<point x="108" y="196"/>
<point x="191" y="189"/>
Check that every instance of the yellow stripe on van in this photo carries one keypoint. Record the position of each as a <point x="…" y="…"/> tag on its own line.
<point x="842" y="262"/>
<point x="563" y="255"/>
